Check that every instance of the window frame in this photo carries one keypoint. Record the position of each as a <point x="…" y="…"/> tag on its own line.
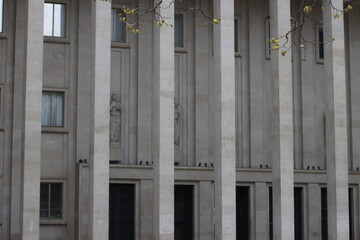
<point x="267" y="44"/>
<point x="128" y="35"/>
<point x="2" y="32"/>
<point x="126" y="32"/>
<point x="62" y="128"/>
<point x="64" y="39"/>
<point x="63" y="219"/>
<point x="184" y="35"/>
<point x="319" y="60"/>
<point x="237" y="36"/>
<point x="2" y="102"/>
<point x="137" y="200"/>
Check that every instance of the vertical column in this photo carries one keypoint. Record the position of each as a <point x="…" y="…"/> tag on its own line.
<point x="32" y="120"/>
<point x="206" y="208"/>
<point x="261" y="213"/>
<point x="163" y="109"/>
<point x="99" y="154"/>
<point x="282" y="135"/>
<point x="314" y="206"/>
<point x="224" y="119"/>
<point x="202" y="136"/>
<point x="336" y="123"/>
<point x="146" y="209"/>
<point x="145" y="38"/>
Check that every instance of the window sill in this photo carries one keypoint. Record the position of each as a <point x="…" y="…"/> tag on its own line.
<point x="120" y="45"/>
<point x="56" y="40"/>
<point x="54" y="130"/>
<point x="180" y="50"/>
<point x="52" y="222"/>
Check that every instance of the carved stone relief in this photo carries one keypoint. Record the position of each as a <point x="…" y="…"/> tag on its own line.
<point x="115" y="119"/>
<point x="177" y="119"/>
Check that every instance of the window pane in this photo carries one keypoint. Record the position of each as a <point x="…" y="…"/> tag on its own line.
<point x="1" y="15"/>
<point x="321" y="43"/>
<point x="48" y="19"/>
<point x="59" y="20"/>
<point x="236" y="35"/>
<point x="57" y="109"/>
<point x="55" y="200"/>
<point x="44" y="200"/>
<point x="178" y="29"/>
<point x="46" y="112"/>
<point x="118" y="33"/>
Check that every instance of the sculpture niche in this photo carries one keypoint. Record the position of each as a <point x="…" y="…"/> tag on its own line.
<point x="115" y="119"/>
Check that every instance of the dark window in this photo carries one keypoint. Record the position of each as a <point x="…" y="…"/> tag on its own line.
<point x="54" y="20"/>
<point x="179" y="30"/>
<point x="351" y="213"/>
<point x="321" y="42"/>
<point x="1" y="15"/>
<point x="52" y="109"/>
<point x="184" y="212"/>
<point x="122" y="212"/>
<point x="242" y="213"/>
<point x="324" y="218"/>
<point x="118" y="32"/>
<point x="51" y="200"/>
<point x="236" y="25"/>
<point x="298" y="211"/>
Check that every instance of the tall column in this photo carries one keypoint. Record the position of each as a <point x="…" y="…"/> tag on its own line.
<point x="99" y="152"/>
<point x="224" y="119"/>
<point x="32" y="120"/>
<point x="26" y="162"/>
<point x="163" y="109"/>
<point x="282" y="126"/>
<point x="336" y="123"/>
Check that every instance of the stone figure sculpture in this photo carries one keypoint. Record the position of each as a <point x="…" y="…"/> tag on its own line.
<point x="115" y="118"/>
<point x="177" y="118"/>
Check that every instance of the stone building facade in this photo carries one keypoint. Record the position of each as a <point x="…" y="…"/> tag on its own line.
<point x="190" y="132"/>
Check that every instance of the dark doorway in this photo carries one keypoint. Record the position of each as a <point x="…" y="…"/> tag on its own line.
<point x="184" y="212"/>
<point x="298" y="211"/>
<point x="324" y="220"/>
<point x="122" y="212"/>
<point x="242" y="213"/>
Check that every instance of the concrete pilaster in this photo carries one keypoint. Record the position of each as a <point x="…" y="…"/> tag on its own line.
<point x="202" y="87"/>
<point x="99" y="142"/>
<point x="336" y="123"/>
<point x="206" y="208"/>
<point x="224" y="120"/>
<point x="282" y="135"/>
<point x="314" y="211"/>
<point x="145" y="51"/>
<point x="32" y="120"/>
<point x="261" y="213"/>
<point x="146" y="209"/>
<point x="163" y="125"/>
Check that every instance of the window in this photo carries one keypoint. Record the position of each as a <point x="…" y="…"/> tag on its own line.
<point x="236" y="33"/>
<point x="122" y="211"/>
<point x="54" y="20"/>
<point x="52" y="109"/>
<point x="1" y="15"/>
<point x="118" y="32"/>
<point x="51" y="200"/>
<point x="320" y="44"/>
<point x="179" y="30"/>
<point x="267" y="38"/>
